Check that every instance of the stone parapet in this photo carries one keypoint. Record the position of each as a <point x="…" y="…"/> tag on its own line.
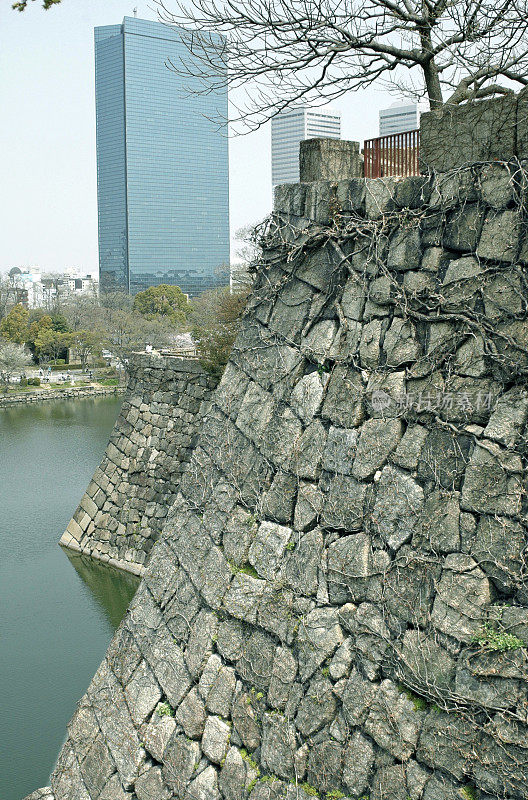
<point x="329" y="160"/>
<point x="63" y="394"/>
<point x="456" y="136"/>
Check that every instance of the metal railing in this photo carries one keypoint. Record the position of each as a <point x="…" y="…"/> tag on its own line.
<point x="395" y="155"/>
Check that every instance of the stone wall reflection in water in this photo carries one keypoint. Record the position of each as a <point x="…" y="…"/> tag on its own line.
<point x="112" y="588"/>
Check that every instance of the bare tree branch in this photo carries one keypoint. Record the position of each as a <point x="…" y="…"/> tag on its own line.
<point x="276" y="53"/>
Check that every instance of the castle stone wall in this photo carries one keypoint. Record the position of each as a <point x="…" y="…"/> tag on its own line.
<point x="123" y="510"/>
<point x="337" y="604"/>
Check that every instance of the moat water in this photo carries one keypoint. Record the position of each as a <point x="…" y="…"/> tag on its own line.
<point x="57" y="612"/>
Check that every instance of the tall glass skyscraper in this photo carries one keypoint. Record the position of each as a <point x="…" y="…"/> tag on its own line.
<point x="162" y="164"/>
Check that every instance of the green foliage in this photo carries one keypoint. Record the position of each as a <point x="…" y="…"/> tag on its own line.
<point x="310" y="790"/>
<point x="495" y="640"/>
<point x="247" y="569"/>
<point x="470" y="792"/>
<point x="59" y="323"/>
<point x="335" y="794"/>
<point x="164" y="710"/>
<point x="14" y="326"/>
<point x="163" y="301"/>
<point x="52" y="344"/>
<point x="215" y="324"/>
<point x="21" y="5"/>
<point x="33" y="381"/>
<point x="247" y="758"/>
<point x="419" y="703"/>
<point x="109" y="382"/>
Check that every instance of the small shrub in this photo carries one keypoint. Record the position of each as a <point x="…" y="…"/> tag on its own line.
<point x="419" y="703"/>
<point x="164" y="710"/>
<point x="23" y="381"/>
<point x="109" y="382"/>
<point x="495" y="640"/>
<point x="33" y="381"/>
<point x="310" y="790"/>
<point x="247" y="758"/>
<point x="470" y="792"/>
<point x="58" y="366"/>
<point x="247" y="569"/>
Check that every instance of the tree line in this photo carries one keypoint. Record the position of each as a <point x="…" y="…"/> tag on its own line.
<point x="84" y="326"/>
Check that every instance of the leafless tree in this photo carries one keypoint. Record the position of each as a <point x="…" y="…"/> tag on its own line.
<point x="281" y="52"/>
<point x="7" y="295"/>
<point x="13" y="359"/>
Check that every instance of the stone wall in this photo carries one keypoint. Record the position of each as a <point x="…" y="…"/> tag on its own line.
<point x="483" y="131"/>
<point x="123" y="510"/>
<point x="338" y="604"/>
<point x="62" y="394"/>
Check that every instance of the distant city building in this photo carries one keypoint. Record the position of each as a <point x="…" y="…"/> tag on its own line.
<point x="291" y="127"/>
<point x="399" y="117"/>
<point x="162" y="164"/>
<point x="34" y="289"/>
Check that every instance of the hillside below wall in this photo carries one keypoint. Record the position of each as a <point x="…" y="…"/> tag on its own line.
<point x="123" y="510"/>
<point x="338" y="601"/>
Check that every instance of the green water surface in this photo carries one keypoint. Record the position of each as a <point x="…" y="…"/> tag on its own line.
<point x="57" y="612"/>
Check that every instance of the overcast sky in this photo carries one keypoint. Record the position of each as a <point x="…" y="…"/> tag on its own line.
<point x="47" y="136"/>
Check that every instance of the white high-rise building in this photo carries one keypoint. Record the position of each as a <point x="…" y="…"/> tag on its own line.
<point x="293" y="126"/>
<point x="398" y="118"/>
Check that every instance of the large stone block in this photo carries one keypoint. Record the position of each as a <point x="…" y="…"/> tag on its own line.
<point x="493" y="483"/>
<point x="499" y="240"/>
<point x="378" y="438"/>
<point x="345" y="504"/>
<point x="464" y="593"/>
<point x="278" y="745"/>
<point x="393" y="722"/>
<point x="329" y="160"/>
<point x="399" y="501"/>
<point x="481" y="131"/>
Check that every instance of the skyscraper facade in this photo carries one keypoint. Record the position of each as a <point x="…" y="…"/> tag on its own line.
<point x="398" y="118"/>
<point x="162" y="164"/>
<point x="291" y="127"/>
